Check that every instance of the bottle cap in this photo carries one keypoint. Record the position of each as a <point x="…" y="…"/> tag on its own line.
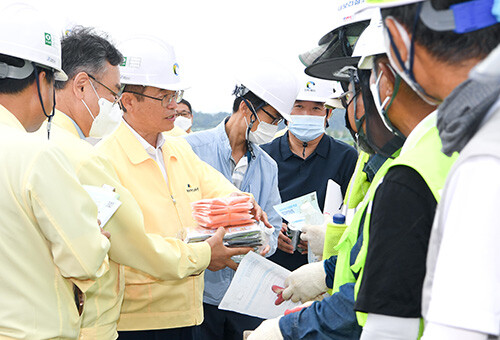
<point x="338" y="219"/>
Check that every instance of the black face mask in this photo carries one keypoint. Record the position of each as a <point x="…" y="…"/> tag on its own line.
<point x="380" y="139"/>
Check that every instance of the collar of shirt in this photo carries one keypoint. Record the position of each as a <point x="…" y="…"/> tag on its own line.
<point x="7" y="118"/>
<point x="321" y="149"/>
<point x="155" y="153"/>
<point x="419" y="131"/>
<point x="221" y="132"/>
<point x="151" y="150"/>
<point x="80" y="132"/>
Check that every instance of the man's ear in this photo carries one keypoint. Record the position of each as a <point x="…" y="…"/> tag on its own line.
<point x="128" y="100"/>
<point x="390" y="79"/>
<point x="244" y="109"/>
<point x="398" y="40"/>
<point x="78" y="85"/>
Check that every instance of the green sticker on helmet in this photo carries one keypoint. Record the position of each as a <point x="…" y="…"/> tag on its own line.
<point x="48" y="39"/>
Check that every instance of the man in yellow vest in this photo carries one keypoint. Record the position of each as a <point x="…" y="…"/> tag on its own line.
<point x="87" y="97"/>
<point x="51" y="246"/>
<point x="399" y="207"/>
<point x="334" y="317"/>
<point x="437" y="44"/>
<point x="165" y="176"/>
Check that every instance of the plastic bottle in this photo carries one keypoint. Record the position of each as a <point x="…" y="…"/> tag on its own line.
<point x="338" y="219"/>
<point x="334" y="232"/>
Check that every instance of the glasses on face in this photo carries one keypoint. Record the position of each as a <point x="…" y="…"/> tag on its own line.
<point x="166" y="100"/>
<point x="275" y="120"/>
<point x="183" y="113"/>
<point x="117" y="96"/>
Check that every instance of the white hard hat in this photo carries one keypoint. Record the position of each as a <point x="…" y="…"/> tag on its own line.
<point x="371" y="42"/>
<point x="272" y="83"/>
<point x="315" y="89"/>
<point x="332" y="59"/>
<point x="26" y="34"/>
<point x="149" y="61"/>
<point x="334" y="101"/>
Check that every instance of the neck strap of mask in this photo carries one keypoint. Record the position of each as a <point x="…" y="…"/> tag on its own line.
<point x="49" y="117"/>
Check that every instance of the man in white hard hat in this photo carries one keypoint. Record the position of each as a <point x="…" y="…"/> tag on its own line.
<point x="265" y="94"/>
<point x="435" y="45"/>
<point x="86" y="52"/>
<point x="307" y="158"/>
<point x="165" y="176"/>
<point x="49" y="232"/>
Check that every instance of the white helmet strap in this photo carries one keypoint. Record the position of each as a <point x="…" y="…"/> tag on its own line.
<point x="13" y="72"/>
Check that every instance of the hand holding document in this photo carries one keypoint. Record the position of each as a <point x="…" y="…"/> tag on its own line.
<point x="251" y="291"/>
<point x="106" y="200"/>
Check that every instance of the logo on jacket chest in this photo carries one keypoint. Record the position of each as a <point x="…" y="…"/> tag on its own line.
<point x="190" y="188"/>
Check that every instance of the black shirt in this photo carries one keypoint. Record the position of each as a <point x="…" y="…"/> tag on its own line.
<point x="400" y="227"/>
<point x="332" y="159"/>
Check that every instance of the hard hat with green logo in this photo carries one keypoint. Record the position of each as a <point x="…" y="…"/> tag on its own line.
<point x="271" y="82"/>
<point x="333" y="57"/>
<point x="149" y="61"/>
<point x="26" y="34"/>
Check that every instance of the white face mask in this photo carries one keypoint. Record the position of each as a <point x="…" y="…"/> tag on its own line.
<point x="183" y="122"/>
<point x="264" y="134"/>
<point x="107" y="120"/>
<point x="374" y="88"/>
<point x="404" y="73"/>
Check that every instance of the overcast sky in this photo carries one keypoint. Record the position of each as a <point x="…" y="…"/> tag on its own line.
<point x="210" y="37"/>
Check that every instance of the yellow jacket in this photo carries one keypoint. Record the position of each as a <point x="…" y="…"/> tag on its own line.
<point x="151" y="303"/>
<point x="164" y="258"/>
<point x="48" y="233"/>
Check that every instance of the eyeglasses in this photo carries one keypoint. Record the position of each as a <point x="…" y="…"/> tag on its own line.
<point x="116" y="95"/>
<point x="276" y="120"/>
<point x="166" y="99"/>
<point x="183" y="113"/>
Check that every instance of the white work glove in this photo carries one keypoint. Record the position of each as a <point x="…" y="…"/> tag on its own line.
<point x="268" y="330"/>
<point x="315" y="237"/>
<point x="305" y="283"/>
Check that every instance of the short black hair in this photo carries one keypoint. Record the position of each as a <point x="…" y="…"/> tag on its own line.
<point x="85" y="50"/>
<point x="13" y="86"/>
<point x="446" y="46"/>
<point x="251" y="97"/>
<point x="185" y="102"/>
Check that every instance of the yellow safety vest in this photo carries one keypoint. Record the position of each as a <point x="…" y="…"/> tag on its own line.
<point x="426" y="158"/>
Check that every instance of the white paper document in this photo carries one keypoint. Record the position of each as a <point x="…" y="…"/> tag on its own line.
<point x="106" y="200"/>
<point x="295" y="211"/>
<point x="250" y="291"/>
<point x="333" y="198"/>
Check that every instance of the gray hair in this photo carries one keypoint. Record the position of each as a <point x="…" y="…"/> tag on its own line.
<point x="85" y="50"/>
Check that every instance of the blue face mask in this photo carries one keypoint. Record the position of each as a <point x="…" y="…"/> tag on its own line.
<point x="306" y="128"/>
